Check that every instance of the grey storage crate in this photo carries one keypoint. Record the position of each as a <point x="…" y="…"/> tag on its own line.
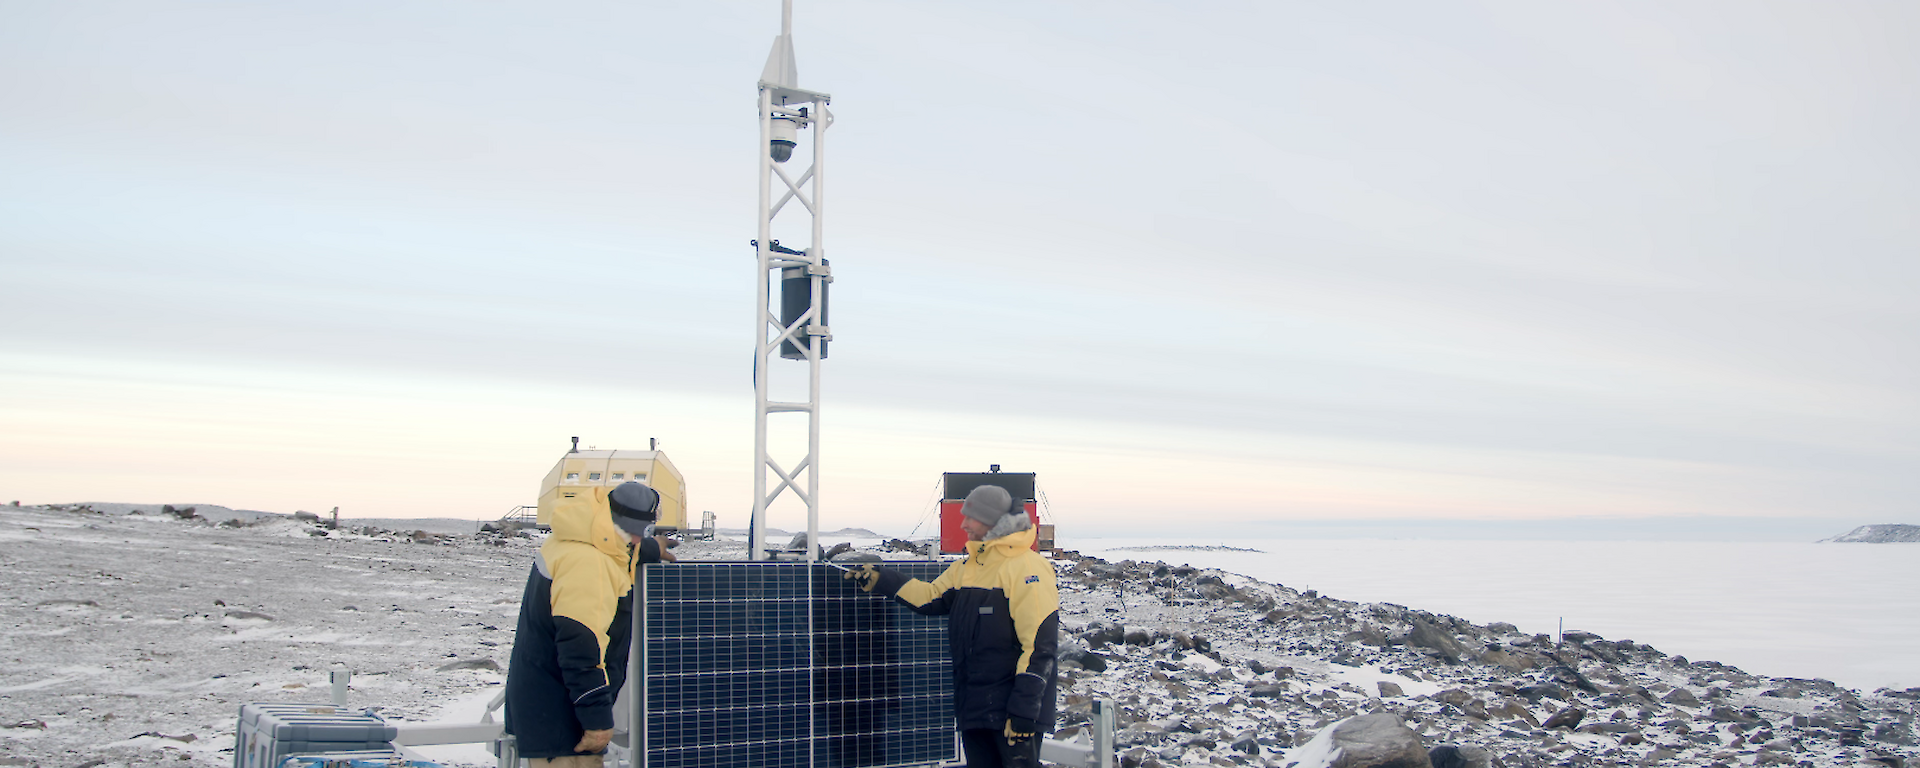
<point x="373" y="758"/>
<point x="268" y="733"/>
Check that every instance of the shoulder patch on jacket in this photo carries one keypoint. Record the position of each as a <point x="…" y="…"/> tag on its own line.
<point x="1033" y="578"/>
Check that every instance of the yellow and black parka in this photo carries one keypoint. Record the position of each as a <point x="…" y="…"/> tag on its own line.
<point x="1003" y="627"/>
<point x="570" y="648"/>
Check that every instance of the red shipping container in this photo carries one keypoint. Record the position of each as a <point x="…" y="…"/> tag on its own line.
<point x="953" y="540"/>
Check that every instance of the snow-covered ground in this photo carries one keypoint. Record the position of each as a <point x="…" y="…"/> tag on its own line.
<point x="1849" y="613"/>
<point x="132" y="639"/>
<point x="129" y="638"/>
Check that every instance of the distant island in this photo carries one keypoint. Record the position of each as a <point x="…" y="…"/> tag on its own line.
<point x="1185" y="548"/>
<point x="1879" y="534"/>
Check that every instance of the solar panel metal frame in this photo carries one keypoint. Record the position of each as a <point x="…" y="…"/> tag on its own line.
<point x="786" y="665"/>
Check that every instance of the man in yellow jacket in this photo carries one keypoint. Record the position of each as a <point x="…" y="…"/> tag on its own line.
<point x="1003" y="626"/>
<point x="570" y="649"/>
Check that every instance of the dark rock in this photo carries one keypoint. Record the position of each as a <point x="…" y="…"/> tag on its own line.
<point x="1567" y="675"/>
<point x="1100" y="635"/>
<point x="305" y="516"/>
<point x="1681" y="697"/>
<point x="1510" y="662"/>
<point x="468" y="664"/>
<point x="1426" y="635"/>
<point x="248" y="615"/>
<point x="1458" y="756"/>
<point x="1511" y="710"/>
<point x="1266" y="690"/>
<point x="74" y="603"/>
<point x="1569" y="717"/>
<point x="1378" y="740"/>
<point x="1389" y="689"/>
<point x="1893" y="733"/>
<point x="1534" y="693"/>
<point x="1366" y="635"/>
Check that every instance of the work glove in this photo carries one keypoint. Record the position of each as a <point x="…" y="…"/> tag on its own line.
<point x="594" y="741"/>
<point x="1018" y="730"/>
<point x="866" y="576"/>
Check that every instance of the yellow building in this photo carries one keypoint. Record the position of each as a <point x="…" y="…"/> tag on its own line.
<point x="578" y="470"/>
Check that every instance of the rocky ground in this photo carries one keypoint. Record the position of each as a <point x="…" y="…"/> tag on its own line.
<point x="131" y="639"/>
<point x="1209" y="667"/>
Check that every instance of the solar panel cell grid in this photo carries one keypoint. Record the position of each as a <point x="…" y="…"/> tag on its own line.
<point x="787" y="664"/>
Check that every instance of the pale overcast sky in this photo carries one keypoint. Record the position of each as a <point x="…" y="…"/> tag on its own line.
<point x="1207" y="263"/>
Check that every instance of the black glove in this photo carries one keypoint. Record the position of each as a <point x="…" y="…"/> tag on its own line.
<point x="866" y="576"/>
<point x="1018" y="729"/>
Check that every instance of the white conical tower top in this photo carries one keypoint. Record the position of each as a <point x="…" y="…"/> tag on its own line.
<point x="781" y="71"/>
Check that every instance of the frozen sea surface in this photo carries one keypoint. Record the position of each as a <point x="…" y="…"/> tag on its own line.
<point x="1849" y="613"/>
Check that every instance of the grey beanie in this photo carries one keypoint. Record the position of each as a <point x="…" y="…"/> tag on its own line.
<point x="993" y="505"/>
<point x="987" y="504"/>
<point x="635" y="507"/>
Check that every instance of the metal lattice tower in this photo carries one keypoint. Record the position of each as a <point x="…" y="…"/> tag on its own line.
<point x="785" y="112"/>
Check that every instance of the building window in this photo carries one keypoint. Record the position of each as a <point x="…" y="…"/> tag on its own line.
<point x="593" y="476"/>
<point x="572" y="476"/>
<point x="640" y="476"/>
<point x="619" y="475"/>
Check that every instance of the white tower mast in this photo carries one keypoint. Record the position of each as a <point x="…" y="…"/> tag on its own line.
<point x="801" y="332"/>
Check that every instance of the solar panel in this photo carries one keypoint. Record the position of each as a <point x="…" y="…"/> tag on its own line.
<point x="788" y="665"/>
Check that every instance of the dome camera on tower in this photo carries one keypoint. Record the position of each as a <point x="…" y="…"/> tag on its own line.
<point x="785" y="130"/>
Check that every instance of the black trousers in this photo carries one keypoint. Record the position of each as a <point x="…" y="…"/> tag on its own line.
<point x="987" y="748"/>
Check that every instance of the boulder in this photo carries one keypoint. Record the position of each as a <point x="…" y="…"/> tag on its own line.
<point x="1100" y="635"/>
<point x="1389" y="689"/>
<point x="1508" y="661"/>
<point x="1378" y="740"/>
<point x="1569" y="717"/>
<point x="1729" y="715"/>
<point x="1535" y="693"/>
<point x="1681" y="697"/>
<point x="1426" y="635"/>
<point x="1460" y="756"/>
<point x="1366" y="635"/>
<point x="1512" y="710"/>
